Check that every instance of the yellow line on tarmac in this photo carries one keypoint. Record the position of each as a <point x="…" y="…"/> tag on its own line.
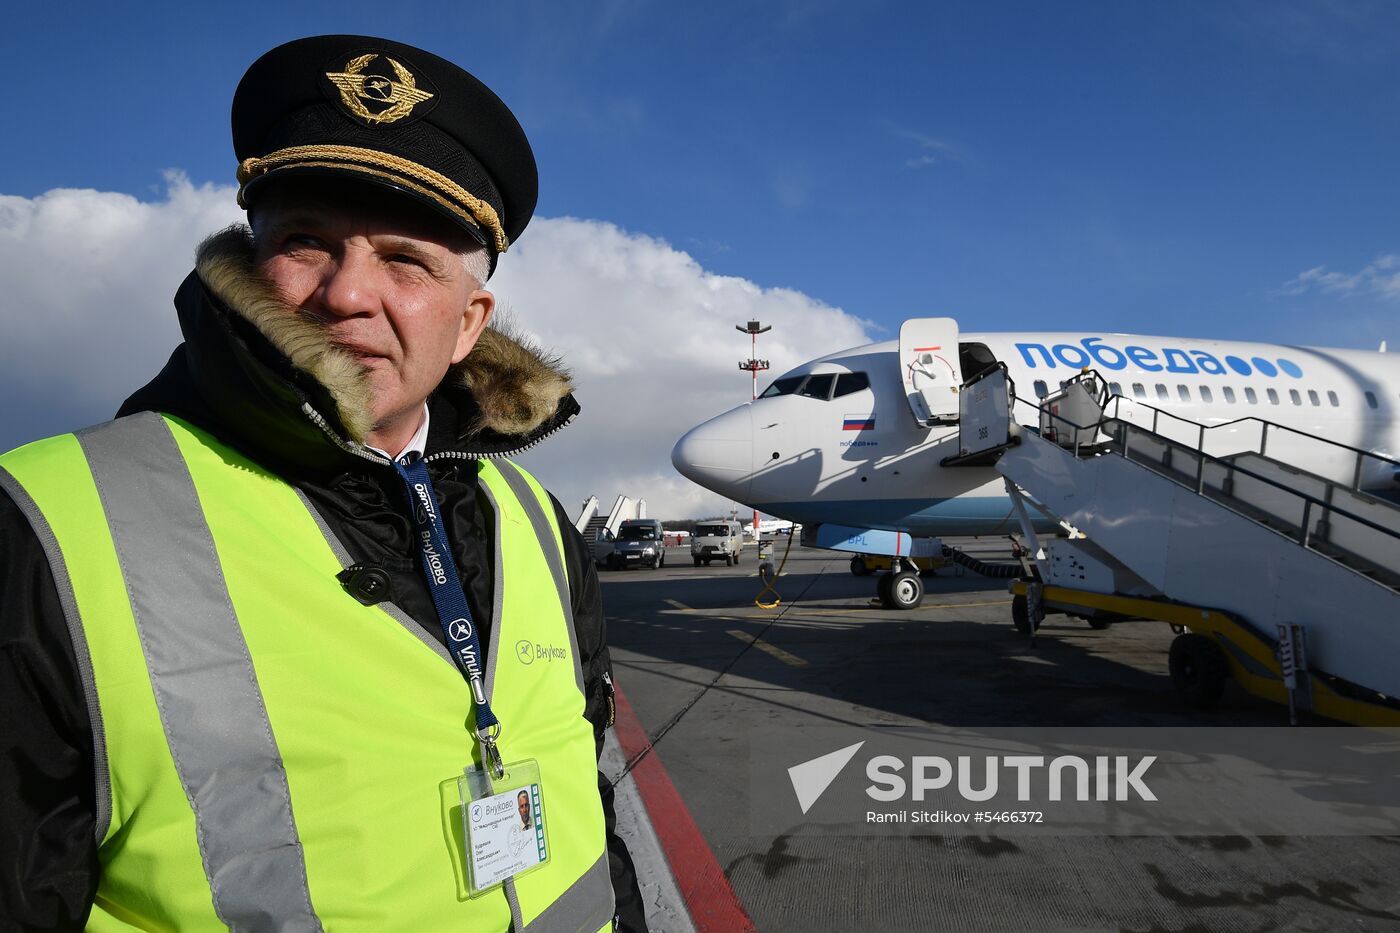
<point x="784" y="656"/>
<point x="797" y="610"/>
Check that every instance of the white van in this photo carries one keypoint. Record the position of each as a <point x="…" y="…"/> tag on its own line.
<point x="716" y="541"/>
<point x="640" y="541"/>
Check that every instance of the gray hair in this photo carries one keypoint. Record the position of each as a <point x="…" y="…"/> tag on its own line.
<point x="477" y="262"/>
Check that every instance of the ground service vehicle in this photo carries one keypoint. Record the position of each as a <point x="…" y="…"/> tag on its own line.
<point x="722" y="540"/>
<point x="639" y="543"/>
<point x="863" y="564"/>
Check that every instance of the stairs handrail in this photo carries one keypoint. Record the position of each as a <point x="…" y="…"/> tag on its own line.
<point x="1265" y="425"/>
<point x="1308" y="499"/>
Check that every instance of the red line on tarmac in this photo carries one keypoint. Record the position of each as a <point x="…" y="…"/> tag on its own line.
<point x="713" y="905"/>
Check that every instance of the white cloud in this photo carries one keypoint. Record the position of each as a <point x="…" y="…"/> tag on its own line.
<point x="650" y="337"/>
<point x="86" y="309"/>
<point x="932" y="150"/>
<point x="1381" y="277"/>
<point x="648" y="333"/>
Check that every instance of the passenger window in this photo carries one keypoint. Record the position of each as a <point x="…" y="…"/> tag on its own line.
<point x="784" y="386"/>
<point x="1273" y="397"/>
<point x="1332" y="397"/>
<point x="818" y="387"/>
<point x="1206" y="395"/>
<point x="1115" y="388"/>
<point x="1139" y="391"/>
<point x="1312" y="397"/>
<point x="846" y="383"/>
<point x="1294" y="397"/>
<point x="1251" y="396"/>
<point x="1229" y="395"/>
<point x="1041" y="389"/>
<point x="1371" y="400"/>
<point x="1162" y="393"/>
<point x="1183" y="393"/>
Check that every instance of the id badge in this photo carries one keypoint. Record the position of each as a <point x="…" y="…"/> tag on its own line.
<point x="503" y="823"/>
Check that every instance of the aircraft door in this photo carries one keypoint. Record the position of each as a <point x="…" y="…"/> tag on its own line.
<point x="929" y="369"/>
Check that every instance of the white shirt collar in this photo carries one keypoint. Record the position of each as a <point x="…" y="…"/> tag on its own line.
<point x="417" y="444"/>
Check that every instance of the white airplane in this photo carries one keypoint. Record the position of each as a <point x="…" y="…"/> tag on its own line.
<point x="771" y="526"/>
<point x="854" y="442"/>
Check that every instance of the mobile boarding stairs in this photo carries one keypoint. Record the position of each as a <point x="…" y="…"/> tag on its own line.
<point x="1286" y="580"/>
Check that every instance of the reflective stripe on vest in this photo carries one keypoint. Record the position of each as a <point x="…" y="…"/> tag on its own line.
<point x="238" y="685"/>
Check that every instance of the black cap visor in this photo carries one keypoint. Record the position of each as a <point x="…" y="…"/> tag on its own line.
<point x="260" y="187"/>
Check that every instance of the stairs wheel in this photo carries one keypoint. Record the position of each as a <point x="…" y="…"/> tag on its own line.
<point x="1198" y="670"/>
<point x="1021" y="615"/>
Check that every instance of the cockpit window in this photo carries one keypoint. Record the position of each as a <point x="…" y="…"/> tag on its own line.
<point x="846" y="383"/>
<point x="818" y="386"/>
<point x="784" y="386"/>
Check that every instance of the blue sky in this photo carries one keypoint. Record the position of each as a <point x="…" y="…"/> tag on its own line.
<point x="1215" y="169"/>
<point x="1137" y="167"/>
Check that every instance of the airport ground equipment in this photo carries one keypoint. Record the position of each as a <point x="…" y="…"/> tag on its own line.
<point x="1287" y="580"/>
<point x="586" y="517"/>
<point x="598" y="530"/>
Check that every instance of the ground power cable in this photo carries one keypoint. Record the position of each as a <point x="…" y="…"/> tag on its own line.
<point x="674" y="720"/>
<point x="770" y="581"/>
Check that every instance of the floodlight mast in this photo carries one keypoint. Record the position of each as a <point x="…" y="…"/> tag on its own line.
<point x="754" y="367"/>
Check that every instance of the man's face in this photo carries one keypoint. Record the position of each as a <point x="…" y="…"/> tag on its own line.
<point x="386" y="278"/>
<point x="523" y="804"/>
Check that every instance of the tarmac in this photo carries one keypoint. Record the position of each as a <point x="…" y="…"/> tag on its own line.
<point x="700" y="668"/>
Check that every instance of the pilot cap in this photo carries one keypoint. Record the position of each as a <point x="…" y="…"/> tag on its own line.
<point x="392" y="115"/>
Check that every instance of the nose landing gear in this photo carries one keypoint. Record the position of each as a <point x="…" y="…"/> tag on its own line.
<point x="901" y="588"/>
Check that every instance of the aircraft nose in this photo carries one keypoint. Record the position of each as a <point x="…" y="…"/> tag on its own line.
<point x="718" y="454"/>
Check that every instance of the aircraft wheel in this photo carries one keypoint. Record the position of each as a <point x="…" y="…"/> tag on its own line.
<point x="1198" y="670"/>
<point x="903" y="590"/>
<point x="858" y="567"/>
<point x="1098" y="625"/>
<point x="1021" y="615"/>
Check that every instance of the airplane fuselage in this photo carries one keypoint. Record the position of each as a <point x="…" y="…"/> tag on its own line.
<point x="849" y="450"/>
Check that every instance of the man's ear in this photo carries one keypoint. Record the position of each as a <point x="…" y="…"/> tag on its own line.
<point x="474" y="320"/>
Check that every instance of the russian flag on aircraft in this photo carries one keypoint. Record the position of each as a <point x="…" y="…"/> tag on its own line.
<point x="859" y="423"/>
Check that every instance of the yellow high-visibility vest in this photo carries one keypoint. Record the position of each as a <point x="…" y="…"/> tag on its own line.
<point x="270" y="753"/>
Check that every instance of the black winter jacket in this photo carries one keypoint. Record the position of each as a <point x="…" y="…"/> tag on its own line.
<point x="262" y="378"/>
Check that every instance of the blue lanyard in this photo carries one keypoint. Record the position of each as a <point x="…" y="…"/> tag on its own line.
<point x="430" y="539"/>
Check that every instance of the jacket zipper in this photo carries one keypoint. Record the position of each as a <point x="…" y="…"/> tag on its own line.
<point x="319" y="420"/>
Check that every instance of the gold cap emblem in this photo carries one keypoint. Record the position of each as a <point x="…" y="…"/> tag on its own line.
<point x="377" y="98"/>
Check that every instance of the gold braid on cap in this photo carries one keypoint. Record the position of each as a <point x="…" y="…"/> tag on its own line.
<point x="402" y="171"/>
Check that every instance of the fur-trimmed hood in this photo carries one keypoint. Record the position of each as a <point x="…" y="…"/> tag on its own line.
<point x="270" y="374"/>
